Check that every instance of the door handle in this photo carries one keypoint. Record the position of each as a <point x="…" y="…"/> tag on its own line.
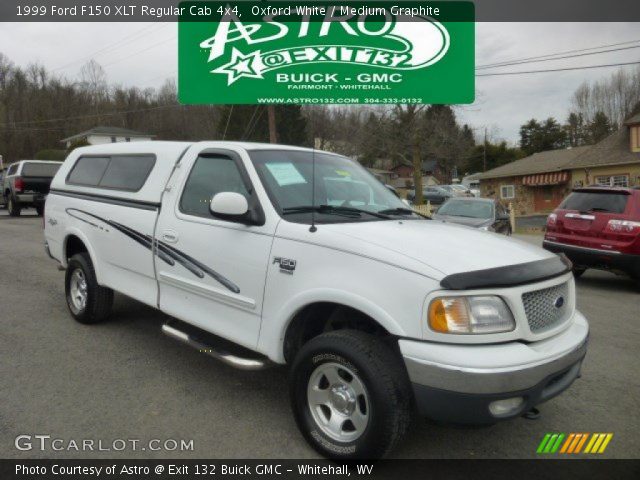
<point x="171" y="237"/>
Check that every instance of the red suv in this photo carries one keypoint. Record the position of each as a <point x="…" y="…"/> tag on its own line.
<point x="598" y="227"/>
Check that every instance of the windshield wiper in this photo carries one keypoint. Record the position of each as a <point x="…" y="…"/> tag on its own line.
<point x="332" y="210"/>
<point x="599" y="209"/>
<point x="401" y="211"/>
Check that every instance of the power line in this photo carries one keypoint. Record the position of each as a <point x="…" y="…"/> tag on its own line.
<point x="78" y="117"/>
<point x="139" y="52"/>
<point x="113" y="46"/>
<point x="557" y="58"/>
<point x="558" y="53"/>
<point x="586" y="67"/>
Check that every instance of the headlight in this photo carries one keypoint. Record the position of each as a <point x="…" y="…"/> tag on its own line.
<point x="464" y="315"/>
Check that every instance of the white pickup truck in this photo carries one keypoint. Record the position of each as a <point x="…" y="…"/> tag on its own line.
<point x="268" y="254"/>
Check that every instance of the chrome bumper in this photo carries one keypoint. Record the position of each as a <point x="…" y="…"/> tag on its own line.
<point x="492" y="369"/>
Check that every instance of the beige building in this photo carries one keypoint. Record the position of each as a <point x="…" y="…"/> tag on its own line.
<point x="533" y="185"/>
<point x="614" y="161"/>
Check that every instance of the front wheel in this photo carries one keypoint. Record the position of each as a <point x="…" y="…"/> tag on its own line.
<point x="88" y="302"/>
<point x="351" y="395"/>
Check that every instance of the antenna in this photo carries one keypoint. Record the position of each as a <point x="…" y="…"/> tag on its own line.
<point x="313" y="188"/>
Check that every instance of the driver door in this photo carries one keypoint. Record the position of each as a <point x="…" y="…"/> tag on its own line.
<point x="211" y="272"/>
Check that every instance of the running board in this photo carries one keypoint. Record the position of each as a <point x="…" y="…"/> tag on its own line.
<point x="224" y="356"/>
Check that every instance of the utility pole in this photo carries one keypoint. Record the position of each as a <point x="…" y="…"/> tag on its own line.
<point x="273" y="132"/>
<point x="484" y="154"/>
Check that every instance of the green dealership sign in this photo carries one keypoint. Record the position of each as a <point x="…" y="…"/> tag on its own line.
<point x="317" y="53"/>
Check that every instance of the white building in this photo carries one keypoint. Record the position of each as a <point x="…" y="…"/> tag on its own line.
<point x="100" y="135"/>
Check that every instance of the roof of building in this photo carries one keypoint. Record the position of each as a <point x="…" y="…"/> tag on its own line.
<point x="633" y="120"/>
<point x="109" y="132"/>
<point x="613" y="150"/>
<point x="541" y="162"/>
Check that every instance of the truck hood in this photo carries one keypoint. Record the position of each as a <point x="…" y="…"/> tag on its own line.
<point x="431" y="248"/>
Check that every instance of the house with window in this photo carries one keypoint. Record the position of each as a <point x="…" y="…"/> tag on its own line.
<point x="533" y="185"/>
<point x="614" y="161"/>
<point x="101" y="135"/>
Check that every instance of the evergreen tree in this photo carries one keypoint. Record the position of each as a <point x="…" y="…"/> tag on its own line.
<point x="599" y="128"/>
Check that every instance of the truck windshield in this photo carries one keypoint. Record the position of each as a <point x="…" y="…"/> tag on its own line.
<point x="40" y="169"/>
<point x="344" y="190"/>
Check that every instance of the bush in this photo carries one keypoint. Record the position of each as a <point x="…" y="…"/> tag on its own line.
<point x="51" y="154"/>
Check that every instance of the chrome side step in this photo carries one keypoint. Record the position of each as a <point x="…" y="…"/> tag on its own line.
<point x="236" y="361"/>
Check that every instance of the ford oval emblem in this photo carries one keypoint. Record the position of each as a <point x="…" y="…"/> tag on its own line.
<point x="558" y="302"/>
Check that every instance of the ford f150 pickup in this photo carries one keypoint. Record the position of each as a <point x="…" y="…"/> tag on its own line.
<point x="267" y="254"/>
<point x="26" y="184"/>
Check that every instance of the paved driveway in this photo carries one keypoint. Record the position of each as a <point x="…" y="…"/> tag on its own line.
<point x="125" y="380"/>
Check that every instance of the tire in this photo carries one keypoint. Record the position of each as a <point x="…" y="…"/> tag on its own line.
<point x="40" y="210"/>
<point x="13" y="206"/>
<point x="369" y="380"/>
<point x="94" y="304"/>
<point x="578" y="271"/>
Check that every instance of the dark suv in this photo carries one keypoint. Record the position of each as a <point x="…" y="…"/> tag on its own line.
<point x="598" y="227"/>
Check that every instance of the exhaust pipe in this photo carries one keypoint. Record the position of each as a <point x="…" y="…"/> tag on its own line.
<point x="225" y="357"/>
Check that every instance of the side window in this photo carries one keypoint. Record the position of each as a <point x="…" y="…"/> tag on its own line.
<point x="127" y="173"/>
<point x="507" y="192"/>
<point x="120" y="172"/>
<point x="88" y="171"/>
<point x="210" y="175"/>
<point x="12" y="169"/>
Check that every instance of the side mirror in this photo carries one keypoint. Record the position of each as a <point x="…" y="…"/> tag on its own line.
<point x="229" y="206"/>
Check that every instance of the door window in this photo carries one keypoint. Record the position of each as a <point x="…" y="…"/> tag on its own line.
<point x="209" y="176"/>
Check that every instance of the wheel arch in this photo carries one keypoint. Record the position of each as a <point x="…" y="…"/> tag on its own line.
<point x="313" y="312"/>
<point x="76" y="241"/>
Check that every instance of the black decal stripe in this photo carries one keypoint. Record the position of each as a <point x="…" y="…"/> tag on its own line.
<point x="144" y="240"/>
<point x="212" y="273"/>
<point x="509" y="276"/>
<point x="165" y="252"/>
<point x="178" y="258"/>
<point x="107" y="199"/>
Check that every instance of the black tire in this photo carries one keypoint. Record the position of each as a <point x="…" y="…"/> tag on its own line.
<point x="40" y="210"/>
<point x="99" y="300"/>
<point x="13" y="206"/>
<point x="389" y="398"/>
<point x="578" y="271"/>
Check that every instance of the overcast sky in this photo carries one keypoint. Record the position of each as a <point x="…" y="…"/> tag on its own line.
<point x="145" y="54"/>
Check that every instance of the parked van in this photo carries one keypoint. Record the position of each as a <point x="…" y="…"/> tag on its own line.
<point x="377" y="311"/>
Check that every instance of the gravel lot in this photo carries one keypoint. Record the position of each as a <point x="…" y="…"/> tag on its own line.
<point x="125" y="380"/>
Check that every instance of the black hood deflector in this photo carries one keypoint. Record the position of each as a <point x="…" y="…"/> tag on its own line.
<point x="509" y="276"/>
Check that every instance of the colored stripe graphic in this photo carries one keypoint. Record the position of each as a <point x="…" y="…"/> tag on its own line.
<point x="598" y="443"/>
<point x="573" y="443"/>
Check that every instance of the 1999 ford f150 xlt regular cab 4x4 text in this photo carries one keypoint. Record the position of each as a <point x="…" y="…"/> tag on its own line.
<point x="268" y="254"/>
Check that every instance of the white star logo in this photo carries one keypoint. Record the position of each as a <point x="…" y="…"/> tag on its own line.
<point x="241" y="66"/>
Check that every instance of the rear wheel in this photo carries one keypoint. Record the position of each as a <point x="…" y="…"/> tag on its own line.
<point x="13" y="206"/>
<point x="88" y="302"/>
<point x="40" y="210"/>
<point x="350" y="395"/>
<point x="578" y="271"/>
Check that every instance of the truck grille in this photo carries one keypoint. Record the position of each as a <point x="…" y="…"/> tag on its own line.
<point x="547" y="307"/>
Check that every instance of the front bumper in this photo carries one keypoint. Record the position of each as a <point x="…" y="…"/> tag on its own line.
<point x="459" y="383"/>
<point x="597" y="258"/>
